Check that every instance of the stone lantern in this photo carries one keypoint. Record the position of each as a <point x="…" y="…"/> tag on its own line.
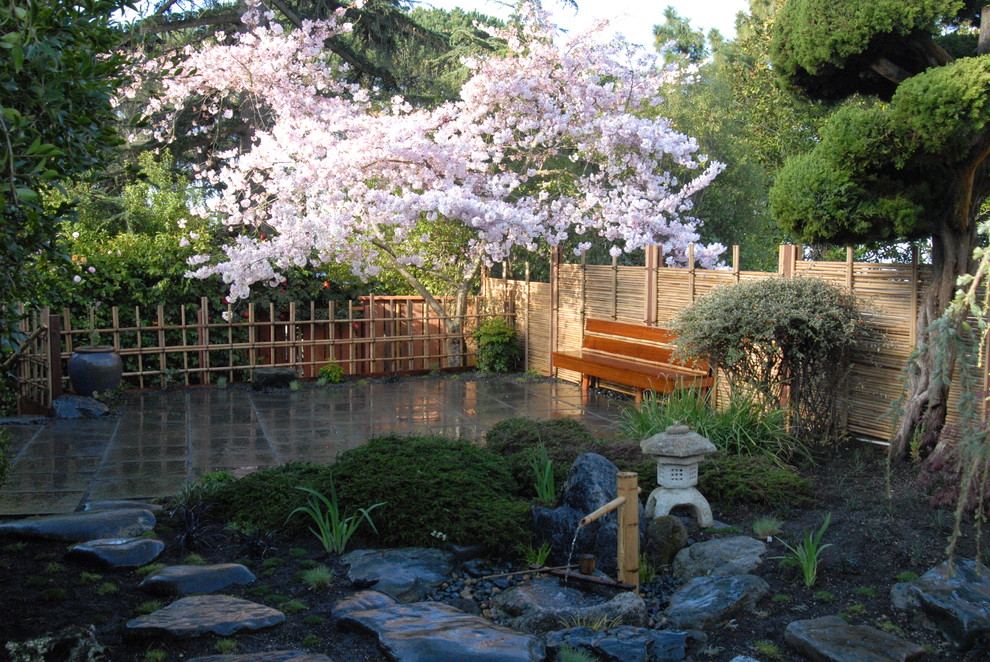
<point x="678" y="452"/>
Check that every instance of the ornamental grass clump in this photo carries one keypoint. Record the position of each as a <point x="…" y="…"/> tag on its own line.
<point x="776" y="340"/>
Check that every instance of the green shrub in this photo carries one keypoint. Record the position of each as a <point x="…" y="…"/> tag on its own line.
<point x="753" y="479"/>
<point x="777" y="333"/>
<point x="432" y="484"/>
<point x="740" y="427"/>
<point x="265" y="498"/>
<point x="498" y="347"/>
<point x="331" y="373"/>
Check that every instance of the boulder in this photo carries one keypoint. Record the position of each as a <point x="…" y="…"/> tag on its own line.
<point x="705" y="602"/>
<point x="80" y="527"/>
<point x="204" y="614"/>
<point x="734" y="555"/>
<point x="590" y="485"/>
<point x="665" y="537"/>
<point x="407" y="574"/>
<point x="265" y="378"/>
<point x="831" y="639"/>
<point x="205" y="578"/>
<point x="114" y="553"/>
<point x="545" y="604"/>
<point x="435" y="632"/>
<point x="622" y="644"/>
<point x="78" y="406"/>
<point x="955" y="599"/>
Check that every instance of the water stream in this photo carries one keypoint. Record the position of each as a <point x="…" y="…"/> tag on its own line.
<point x="570" y="554"/>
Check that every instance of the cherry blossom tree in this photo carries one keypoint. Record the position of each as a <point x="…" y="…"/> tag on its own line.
<point x="548" y="140"/>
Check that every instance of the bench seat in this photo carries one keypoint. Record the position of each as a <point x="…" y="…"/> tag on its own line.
<point x="632" y="355"/>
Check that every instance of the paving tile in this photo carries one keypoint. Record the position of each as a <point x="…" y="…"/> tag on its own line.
<point x="60" y="481"/>
<point x="20" y="436"/>
<point x="136" y="487"/>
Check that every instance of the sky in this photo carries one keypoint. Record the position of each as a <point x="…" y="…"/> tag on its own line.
<point x="633" y="18"/>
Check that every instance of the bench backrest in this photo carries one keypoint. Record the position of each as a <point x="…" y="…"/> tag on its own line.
<point x="636" y="342"/>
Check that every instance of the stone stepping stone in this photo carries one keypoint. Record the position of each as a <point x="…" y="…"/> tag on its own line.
<point x="705" y="602"/>
<point x="956" y="603"/>
<point x="406" y="573"/>
<point x="204" y="614"/>
<point x="831" y="639"/>
<point x="363" y="601"/>
<point x="78" y="406"/>
<point x="271" y="656"/>
<point x="623" y="644"/>
<point x="114" y="553"/>
<point x="435" y="632"/>
<point x="205" y="578"/>
<point x="119" y="504"/>
<point x="735" y="555"/>
<point x="544" y="604"/>
<point x="83" y="526"/>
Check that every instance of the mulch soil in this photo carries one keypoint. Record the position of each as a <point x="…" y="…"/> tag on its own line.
<point x="874" y="538"/>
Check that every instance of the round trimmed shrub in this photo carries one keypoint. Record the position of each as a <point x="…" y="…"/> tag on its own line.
<point x="498" y="346"/>
<point x="436" y="490"/>
<point x="777" y="336"/>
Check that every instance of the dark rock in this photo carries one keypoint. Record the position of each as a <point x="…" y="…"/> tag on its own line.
<point x="111" y="553"/>
<point x="464" y="553"/>
<point x="622" y="644"/>
<point x="435" y="632"/>
<point x="467" y="605"/>
<point x="80" y="527"/>
<point x="957" y="603"/>
<point x="186" y="579"/>
<point x="406" y="573"/>
<point x="475" y="568"/>
<point x="590" y="485"/>
<point x="268" y="656"/>
<point x="119" y="504"/>
<point x="743" y="658"/>
<point x="262" y="378"/>
<point x="735" y="555"/>
<point x="544" y="605"/>
<point x="831" y="639"/>
<point x="707" y="601"/>
<point x="77" y="406"/>
<point x="205" y="614"/>
<point x="74" y="643"/>
<point x="363" y="601"/>
<point x="665" y="537"/>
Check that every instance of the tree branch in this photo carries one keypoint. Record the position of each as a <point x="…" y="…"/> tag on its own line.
<point x="155" y="27"/>
<point x="889" y="70"/>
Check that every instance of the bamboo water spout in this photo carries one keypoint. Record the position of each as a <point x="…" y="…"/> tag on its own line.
<point x="627" y="503"/>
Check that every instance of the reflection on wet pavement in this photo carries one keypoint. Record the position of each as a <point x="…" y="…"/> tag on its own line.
<point x="162" y="440"/>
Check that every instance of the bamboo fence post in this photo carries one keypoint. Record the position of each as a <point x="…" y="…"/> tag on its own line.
<point x="849" y="268"/>
<point x="615" y="287"/>
<point x="691" y="273"/>
<point x="628" y="543"/>
<point x="526" y="321"/>
<point x="203" y="338"/>
<point x="54" y="356"/>
<point x="735" y="262"/>
<point x="913" y="326"/>
<point x="162" y="358"/>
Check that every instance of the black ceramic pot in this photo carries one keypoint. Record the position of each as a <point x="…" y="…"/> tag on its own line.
<point x="94" y="369"/>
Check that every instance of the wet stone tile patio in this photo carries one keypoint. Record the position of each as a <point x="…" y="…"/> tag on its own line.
<point x="160" y="441"/>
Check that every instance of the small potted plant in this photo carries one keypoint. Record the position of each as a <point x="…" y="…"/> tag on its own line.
<point x="94" y="368"/>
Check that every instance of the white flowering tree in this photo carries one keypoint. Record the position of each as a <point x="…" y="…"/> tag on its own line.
<point x="544" y="142"/>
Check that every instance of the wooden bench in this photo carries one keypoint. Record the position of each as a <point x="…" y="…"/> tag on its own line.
<point x="634" y="355"/>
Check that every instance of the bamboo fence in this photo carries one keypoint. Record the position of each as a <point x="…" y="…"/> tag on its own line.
<point x="551" y="315"/>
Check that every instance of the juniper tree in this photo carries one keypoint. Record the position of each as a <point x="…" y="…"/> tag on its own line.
<point x="904" y="157"/>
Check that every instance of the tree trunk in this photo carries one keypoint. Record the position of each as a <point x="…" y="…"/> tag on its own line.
<point x="926" y="403"/>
